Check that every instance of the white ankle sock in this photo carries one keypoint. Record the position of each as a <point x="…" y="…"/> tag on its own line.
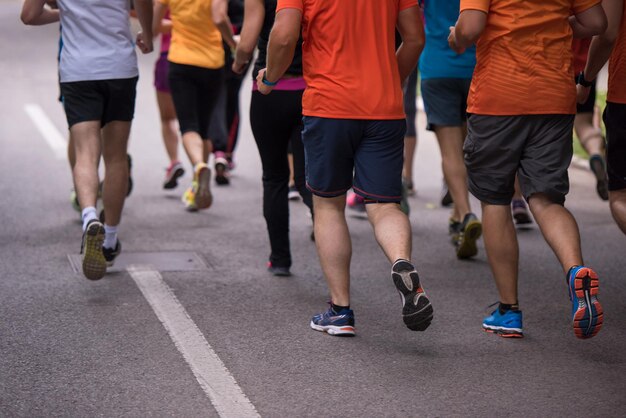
<point x="110" y="236"/>
<point x="87" y="215"/>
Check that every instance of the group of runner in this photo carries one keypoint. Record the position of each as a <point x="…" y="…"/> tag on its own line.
<point x="329" y="88"/>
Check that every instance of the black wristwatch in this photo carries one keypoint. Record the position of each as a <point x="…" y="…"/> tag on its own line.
<point x="581" y="80"/>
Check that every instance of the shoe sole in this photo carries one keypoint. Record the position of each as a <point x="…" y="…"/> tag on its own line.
<point x="220" y="175"/>
<point x="467" y="248"/>
<point x="204" y="198"/>
<point x="417" y="312"/>
<point x="172" y="181"/>
<point x="342" y="331"/>
<point x="279" y="273"/>
<point x="94" y="264"/>
<point x="504" y="332"/>
<point x="588" y="317"/>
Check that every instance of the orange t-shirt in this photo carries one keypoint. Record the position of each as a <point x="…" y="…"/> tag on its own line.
<point x="195" y="38"/>
<point x="617" y="66"/>
<point x="349" y="58"/>
<point x="524" y="57"/>
<point x="580" y="50"/>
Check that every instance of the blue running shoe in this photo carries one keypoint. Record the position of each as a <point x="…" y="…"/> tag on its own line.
<point x="335" y="323"/>
<point x="506" y="325"/>
<point x="417" y="312"/>
<point x="587" y="314"/>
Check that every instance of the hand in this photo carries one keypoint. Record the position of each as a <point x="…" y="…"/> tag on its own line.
<point x="263" y="88"/>
<point x="144" y="43"/>
<point x="452" y="41"/>
<point x="582" y="93"/>
<point x="239" y="66"/>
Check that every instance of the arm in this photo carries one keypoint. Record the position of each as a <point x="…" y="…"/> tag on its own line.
<point x="412" y="33"/>
<point x="589" y="23"/>
<point x="602" y="45"/>
<point x="144" y="15"/>
<point x="468" y="29"/>
<point x="34" y="13"/>
<point x="254" y="15"/>
<point x="219" y="10"/>
<point x="158" y="19"/>
<point x="281" y="48"/>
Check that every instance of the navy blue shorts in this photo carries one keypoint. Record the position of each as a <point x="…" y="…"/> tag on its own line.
<point x="365" y="155"/>
<point x="445" y="101"/>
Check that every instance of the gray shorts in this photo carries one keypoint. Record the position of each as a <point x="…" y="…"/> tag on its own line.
<point x="538" y="148"/>
<point x="445" y="101"/>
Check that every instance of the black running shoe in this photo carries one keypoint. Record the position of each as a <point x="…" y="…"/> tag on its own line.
<point x="278" y="271"/>
<point x="110" y="254"/>
<point x="94" y="264"/>
<point x="417" y="312"/>
<point x="221" y="171"/>
<point x="598" y="167"/>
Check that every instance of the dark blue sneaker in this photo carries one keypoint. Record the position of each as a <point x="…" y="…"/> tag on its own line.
<point x="507" y="324"/>
<point x="417" y="312"/>
<point x="335" y="323"/>
<point x="587" y="315"/>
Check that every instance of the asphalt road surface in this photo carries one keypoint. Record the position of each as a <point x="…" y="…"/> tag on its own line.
<point x="191" y="323"/>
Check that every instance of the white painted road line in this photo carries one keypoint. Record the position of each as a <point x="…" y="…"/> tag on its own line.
<point x="216" y="381"/>
<point x="51" y="134"/>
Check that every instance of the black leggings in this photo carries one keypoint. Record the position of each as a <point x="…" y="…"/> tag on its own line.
<point x="194" y="91"/>
<point x="276" y="121"/>
<point x="226" y="115"/>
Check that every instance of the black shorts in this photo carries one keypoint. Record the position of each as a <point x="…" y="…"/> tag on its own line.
<point x="538" y="148"/>
<point x="195" y="91"/>
<point x="590" y="104"/>
<point x="615" y="121"/>
<point x="103" y="100"/>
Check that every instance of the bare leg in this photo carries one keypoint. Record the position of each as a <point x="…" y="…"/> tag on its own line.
<point x="207" y="150"/>
<point x="195" y="148"/>
<point x="451" y="144"/>
<point x="517" y="194"/>
<point x="559" y="228"/>
<point x="114" y="150"/>
<point x="71" y="151"/>
<point x="502" y="249"/>
<point x="391" y="228"/>
<point x="590" y="137"/>
<point x="334" y="246"/>
<point x="290" y="161"/>
<point x="618" y="207"/>
<point x="410" y="144"/>
<point x="87" y="146"/>
<point x="168" y="125"/>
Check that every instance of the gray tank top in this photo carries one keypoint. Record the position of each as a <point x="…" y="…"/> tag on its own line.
<point x="97" y="41"/>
